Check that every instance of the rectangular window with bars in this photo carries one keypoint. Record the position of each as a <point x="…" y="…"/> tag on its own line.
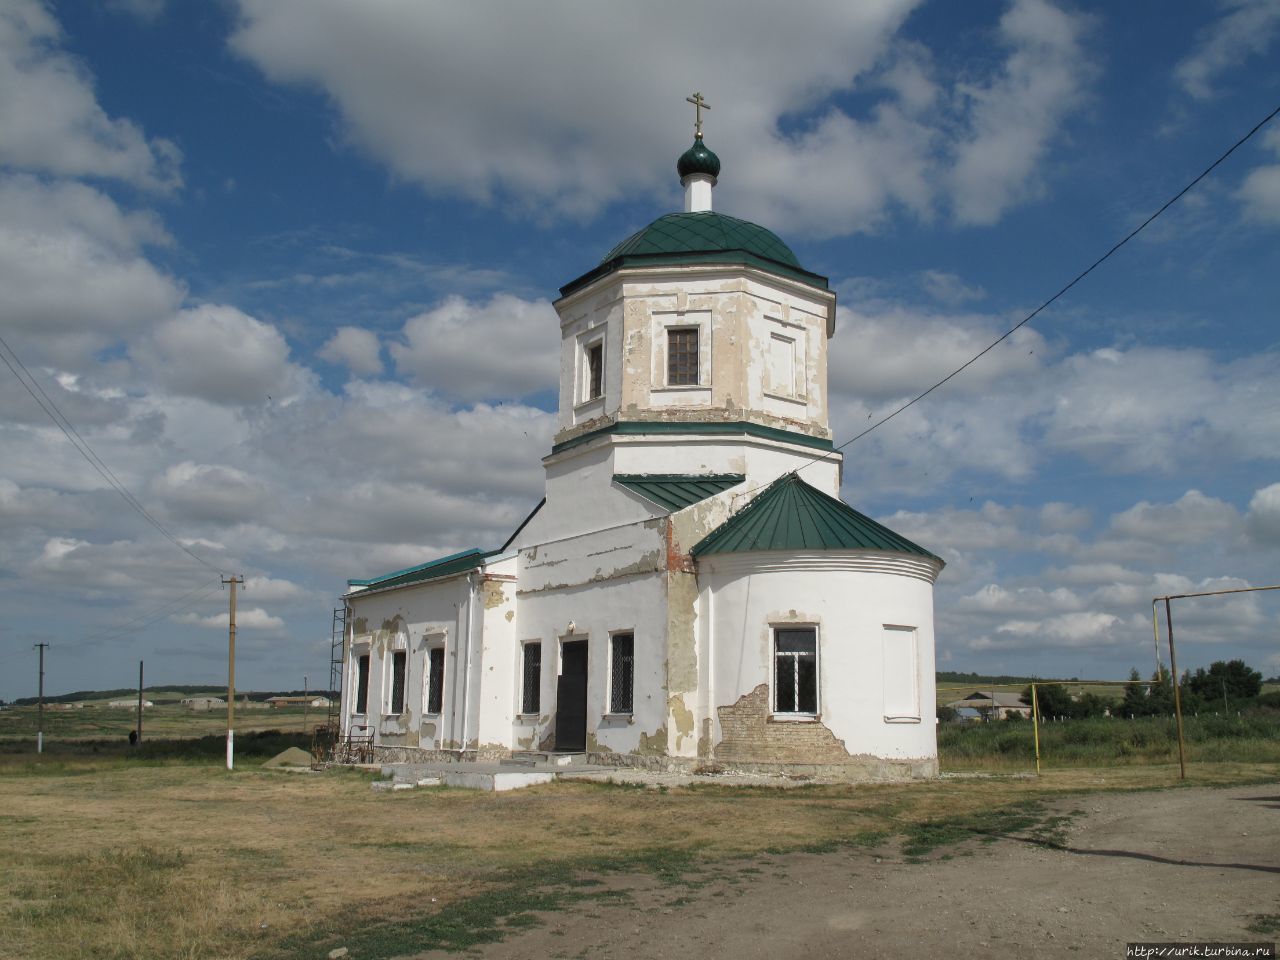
<point x="595" y="370"/>
<point x="795" y="671"/>
<point x="435" y="679"/>
<point x="622" y="679"/>
<point x="682" y="357"/>
<point x="362" y="684"/>
<point x="531" y="688"/>
<point x="399" y="660"/>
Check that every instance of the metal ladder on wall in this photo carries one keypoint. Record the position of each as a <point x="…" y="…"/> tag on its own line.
<point x="324" y="744"/>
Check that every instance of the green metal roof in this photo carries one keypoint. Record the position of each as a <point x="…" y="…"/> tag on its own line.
<point x="444" y="567"/>
<point x="674" y="491"/>
<point x="701" y="237"/>
<point x="791" y="515"/>
<point x="703" y="231"/>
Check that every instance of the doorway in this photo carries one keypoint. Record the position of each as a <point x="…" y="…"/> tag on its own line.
<point x="571" y="697"/>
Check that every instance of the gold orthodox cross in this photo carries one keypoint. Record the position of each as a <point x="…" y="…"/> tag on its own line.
<point x="698" y="106"/>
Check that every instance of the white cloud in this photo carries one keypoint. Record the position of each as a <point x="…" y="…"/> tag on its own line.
<point x="272" y="588"/>
<point x="1013" y="117"/>
<point x="1192" y="518"/>
<point x="217" y="353"/>
<point x="73" y="277"/>
<point x="894" y="351"/>
<point x="355" y="348"/>
<point x="1259" y="193"/>
<point x="210" y="492"/>
<point x="505" y="348"/>
<point x="51" y="119"/>
<point x="1263" y="518"/>
<point x="250" y="618"/>
<point x="454" y="104"/>
<point x="1085" y="628"/>
<point x="950" y="288"/>
<point x="1245" y="30"/>
<point x="994" y="598"/>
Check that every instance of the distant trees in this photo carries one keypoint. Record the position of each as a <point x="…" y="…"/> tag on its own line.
<point x="1147" y="700"/>
<point x="1232" y="681"/>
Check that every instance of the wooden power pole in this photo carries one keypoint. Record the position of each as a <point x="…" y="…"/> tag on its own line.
<point x="139" y="701"/>
<point x="231" y="675"/>
<point x="40" y="708"/>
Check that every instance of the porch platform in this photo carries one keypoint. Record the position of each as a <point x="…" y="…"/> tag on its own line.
<point x="520" y="770"/>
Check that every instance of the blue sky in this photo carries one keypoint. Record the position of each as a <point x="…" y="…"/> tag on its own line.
<point x="287" y="265"/>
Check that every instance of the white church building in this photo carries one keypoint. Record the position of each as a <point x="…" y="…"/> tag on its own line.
<point x="691" y="593"/>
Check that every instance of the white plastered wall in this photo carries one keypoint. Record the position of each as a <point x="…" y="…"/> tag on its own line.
<point x="850" y="597"/>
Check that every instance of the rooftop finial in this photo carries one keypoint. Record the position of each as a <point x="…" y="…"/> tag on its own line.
<point x="698" y="106"/>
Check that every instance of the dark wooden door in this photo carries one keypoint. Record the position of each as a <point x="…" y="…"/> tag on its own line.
<point x="571" y="697"/>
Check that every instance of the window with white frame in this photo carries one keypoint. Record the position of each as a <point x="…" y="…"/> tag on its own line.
<point x="531" y="679"/>
<point x="399" y="663"/>
<point x="435" y="679"/>
<point x="682" y="356"/>
<point x="362" y="683"/>
<point x="622" y="672"/>
<point x="795" y="671"/>
<point x="901" y="674"/>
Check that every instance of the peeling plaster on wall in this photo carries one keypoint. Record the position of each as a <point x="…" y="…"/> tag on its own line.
<point x="682" y="651"/>
<point x="749" y="735"/>
<point x="648" y="563"/>
<point x="492" y="594"/>
<point x="525" y="742"/>
<point x="360" y="625"/>
<point x="653" y="744"/>
<point x="429" y="730"/>
<point x="548" y="741"/>
<point x="682" y="718"/>
<point x="511" y="615"/>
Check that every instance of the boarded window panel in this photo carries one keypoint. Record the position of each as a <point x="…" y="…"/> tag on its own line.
<point x="362" y="684"/>
<point x="782" y="365"/>
<point x="531" y="694"/>
<point x="901" y="674"/>
<point x="399" y="660"/>
<point x="682" y="358"/>
<point x="435" y="679"/>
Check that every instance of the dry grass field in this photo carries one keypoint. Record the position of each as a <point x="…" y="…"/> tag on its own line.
<point x="115" y="859"/>
<point x="166" y="720"/>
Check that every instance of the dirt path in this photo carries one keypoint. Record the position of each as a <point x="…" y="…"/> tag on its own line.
<point x="1171" y="865"/>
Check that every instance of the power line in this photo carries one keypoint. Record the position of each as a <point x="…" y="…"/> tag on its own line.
<point x="46" y="403"/>
<point x="1034" y="313"/>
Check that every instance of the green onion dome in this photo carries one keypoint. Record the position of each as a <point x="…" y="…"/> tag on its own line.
<point x="698" y="159"/>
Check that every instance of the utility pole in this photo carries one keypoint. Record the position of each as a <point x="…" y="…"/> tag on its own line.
<point x="139" y="701"/>
<point x="40" y="709"/>
<point x="305" y="704"/>
<point x="231" y="675"/>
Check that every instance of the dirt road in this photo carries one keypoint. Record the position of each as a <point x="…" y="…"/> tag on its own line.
<point x="1170" y="865"/>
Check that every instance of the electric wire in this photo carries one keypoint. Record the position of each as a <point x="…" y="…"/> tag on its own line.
<point x="60" y="420"/>
<point x="1038" y="310"/>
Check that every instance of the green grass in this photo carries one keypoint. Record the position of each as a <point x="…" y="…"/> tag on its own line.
<point x="1253" y="737"/>
<point x="1265" y="923"/>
